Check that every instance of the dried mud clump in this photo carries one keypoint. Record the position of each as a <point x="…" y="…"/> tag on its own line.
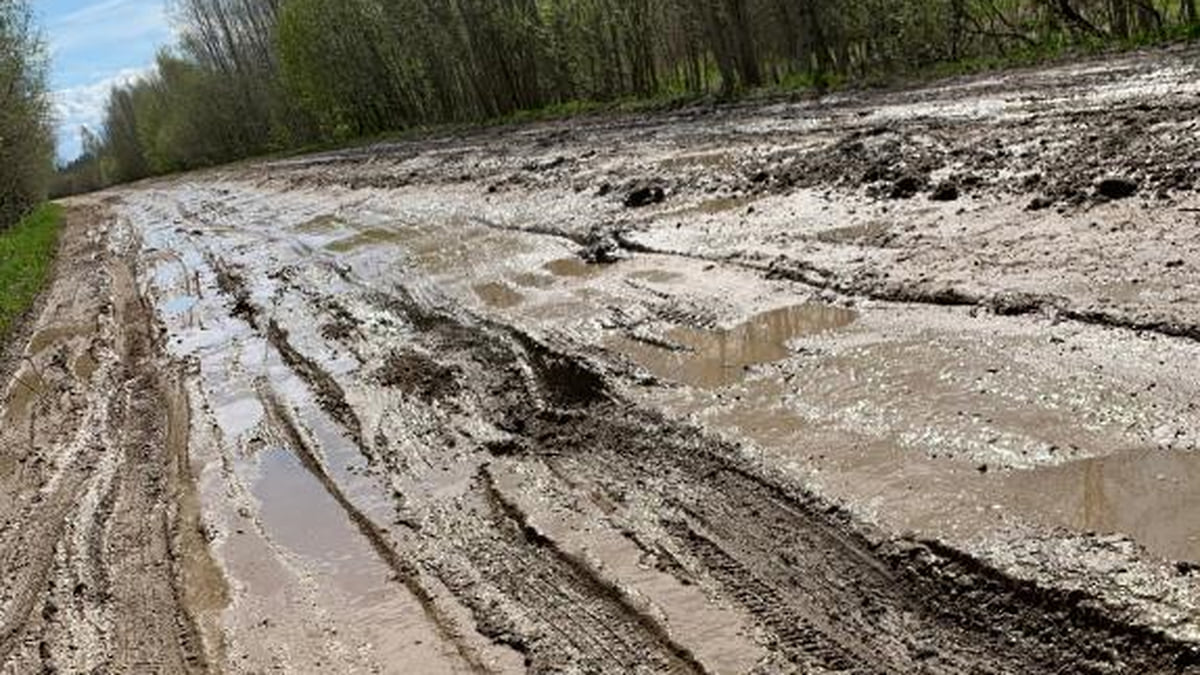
<point x="646" y="195"/>
<point x="1117" y="188"/>
<point x="233" y="284"/>
<point x="418" y="375"/>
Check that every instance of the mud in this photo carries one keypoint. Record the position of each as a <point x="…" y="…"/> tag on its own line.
<point x="374" y="411"/>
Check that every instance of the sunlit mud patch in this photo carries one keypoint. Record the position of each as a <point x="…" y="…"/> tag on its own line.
<point x="1152" y="495"/>
<point x="498" y="295"/>
<point x="715" y="358"/>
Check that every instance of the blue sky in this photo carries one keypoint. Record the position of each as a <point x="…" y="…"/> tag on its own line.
<point x="95" y="44"/>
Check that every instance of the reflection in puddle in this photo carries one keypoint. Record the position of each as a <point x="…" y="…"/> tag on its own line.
<point x="1152" y="495"/>
<point x="572" y="267"/>
<point x="715" y="358"/>
<point x="498" y="295"/>
<point x="179" y="305"/>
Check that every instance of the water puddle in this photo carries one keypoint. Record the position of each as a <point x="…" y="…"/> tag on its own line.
<point x="712" y="207"/>
<point x="56" y="334"/>
<point x="655" y="276"/>
<point x="498" y="295"/>
<point x="301" y="516"/>
<point x="459" y="247"/>
<point x="867" y="233"/>
<point x="26" y="387"/>
<point x="719" y="158"/>
<point x="1152" y="495"/>
<point x="85" y="366"/>
<point x="321" y="225"/>
<point x="720" y="205"/>
<point x="533" y="280"/>
<point x="365" y="238"/>
<point x="572" y="268"/>
<point x="716" y="358"/>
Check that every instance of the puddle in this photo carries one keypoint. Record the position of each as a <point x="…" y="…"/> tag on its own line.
<point x="55" y="334"/>
<point x="572" y="268"/>
<point x="321" y="225"/>
<point x="715" y="358"/>
<point x="300" y="515"/>
<point x="533" y="280"/>
<point x="459" y="247"/>
<point x="719" y="158"/>
<point x="1152" y="495"/>
<point x="712" y="207"/>
<point x="867" y="233"/>
<point x="85" y="366"/>
<point x="495" y="294"/>
<point x="721" y="205"/>
<point x="656" y="276"/>
<point x="24" y="390"/>
<point x="371" y="237"/>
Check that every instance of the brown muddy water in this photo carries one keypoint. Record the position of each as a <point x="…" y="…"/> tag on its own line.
<point x="722" y="356"/>
<point x="1151" y="494"/>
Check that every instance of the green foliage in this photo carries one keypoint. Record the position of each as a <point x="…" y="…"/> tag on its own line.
<point x="256" y="76"/>
<point x="26" y="148"/>
<point x="26" y="251"/>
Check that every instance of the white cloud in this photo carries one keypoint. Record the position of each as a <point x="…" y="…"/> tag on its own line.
<point x="77" y="107"/>
<point x="110" y="24"/>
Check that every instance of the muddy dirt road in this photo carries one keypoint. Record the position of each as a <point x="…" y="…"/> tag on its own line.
<point x="891" y="383"/>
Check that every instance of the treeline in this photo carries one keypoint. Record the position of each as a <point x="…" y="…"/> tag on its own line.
<point x="26" y="145"/>
<point x="253" y="76"/>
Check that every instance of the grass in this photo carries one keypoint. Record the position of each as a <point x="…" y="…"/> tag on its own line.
<point x="26" y="251"/>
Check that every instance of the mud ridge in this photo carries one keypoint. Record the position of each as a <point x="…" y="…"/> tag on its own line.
<point x="584" y="570"/>
<point x="330" y="395"/>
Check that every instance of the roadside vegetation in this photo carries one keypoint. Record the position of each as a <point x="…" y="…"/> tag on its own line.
<point x="27" y="232"/>
<point x="250" y="77"/>
<point x="26" y="145"/>
<point x="26" y="253"/>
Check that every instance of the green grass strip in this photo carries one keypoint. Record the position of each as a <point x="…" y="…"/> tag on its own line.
<point x="26" y="251"/>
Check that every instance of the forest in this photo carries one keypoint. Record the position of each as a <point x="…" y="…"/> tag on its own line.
<point x="250" y="77"/>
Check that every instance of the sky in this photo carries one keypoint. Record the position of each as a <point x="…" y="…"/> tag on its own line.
<point x="94" y="45"/>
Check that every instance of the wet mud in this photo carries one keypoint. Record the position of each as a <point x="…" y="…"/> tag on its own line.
<point x="893" y="382"/>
